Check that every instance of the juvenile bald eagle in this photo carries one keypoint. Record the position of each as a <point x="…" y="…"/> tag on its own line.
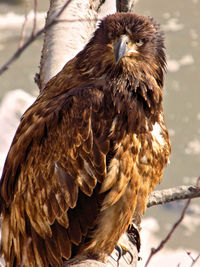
<point x="89" y="150"/>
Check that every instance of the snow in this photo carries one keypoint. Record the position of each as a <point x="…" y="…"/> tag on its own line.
<point x="12" y="107"/>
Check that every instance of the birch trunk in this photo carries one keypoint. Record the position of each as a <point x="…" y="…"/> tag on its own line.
<point x="67" y="37"/>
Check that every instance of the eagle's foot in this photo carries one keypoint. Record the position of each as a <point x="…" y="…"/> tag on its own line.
<point x="122" y="251"/>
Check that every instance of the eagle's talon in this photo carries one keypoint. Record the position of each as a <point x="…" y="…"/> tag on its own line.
<point x="122" y="250"/>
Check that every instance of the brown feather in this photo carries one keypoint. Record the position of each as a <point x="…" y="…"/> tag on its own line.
<point x="69" y="186"/>
<point x="62" y="240"/>
<point x="39" y="249"/>
<point x="52" y="253"/>
<point x="87" y="145"/>
<point x="74" y="231"/>
<point x="89" y="150"/>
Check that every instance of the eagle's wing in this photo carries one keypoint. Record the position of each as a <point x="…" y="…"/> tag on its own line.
<point x="56" y="162"/>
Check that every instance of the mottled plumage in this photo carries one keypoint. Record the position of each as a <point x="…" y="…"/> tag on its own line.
<point x="89" y="150"/>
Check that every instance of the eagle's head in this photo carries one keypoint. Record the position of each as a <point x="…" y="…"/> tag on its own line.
<point x="125" y="42"/>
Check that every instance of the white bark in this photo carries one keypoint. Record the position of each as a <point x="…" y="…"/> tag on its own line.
<point x="66" y="38"/>
<point x="176" y="193"/>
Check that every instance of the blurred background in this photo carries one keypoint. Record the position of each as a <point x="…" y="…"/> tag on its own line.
<point x="181" y="24"/>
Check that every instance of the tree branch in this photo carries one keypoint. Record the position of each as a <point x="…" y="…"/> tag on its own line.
<point x="194" y="261"/>
<point x="96" y="4"/>
<point x="31" y="39"/>
<point x="21" y="41"/>
<point x="35" y="17"/>
<point x="163" y="242"/>
<point x="173" y="194"/>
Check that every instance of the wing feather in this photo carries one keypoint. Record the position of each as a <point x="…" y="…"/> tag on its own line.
<point x="53" y="166"/>
<point x="7" y="237"/>
<point x="67" y="185"/>
<point x="52" y="254"/>
<point x="74" y="231"/>
<point x="39" y="249"/>
<point x="62" y="240"/>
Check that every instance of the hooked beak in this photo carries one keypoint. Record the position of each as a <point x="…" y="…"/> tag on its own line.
<point x="121" y="48"/>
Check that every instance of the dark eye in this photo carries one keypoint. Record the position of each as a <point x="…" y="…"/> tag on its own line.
<point x="139" y="42"/>
<point x="110" y="35"/>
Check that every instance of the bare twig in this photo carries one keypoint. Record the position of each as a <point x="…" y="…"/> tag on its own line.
<point x="35" y="17"/>
<point x="32" y="38"/>
<point x="189" y="254"/>
<point x="96" y="4"/>
<point x="21" y="40"/>
<point x="194" y="261"/>
<point x="163" y="242"/>
<point x="172" y="194"/>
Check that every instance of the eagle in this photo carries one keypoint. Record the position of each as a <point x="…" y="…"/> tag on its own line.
<point x="89" y="150"/>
